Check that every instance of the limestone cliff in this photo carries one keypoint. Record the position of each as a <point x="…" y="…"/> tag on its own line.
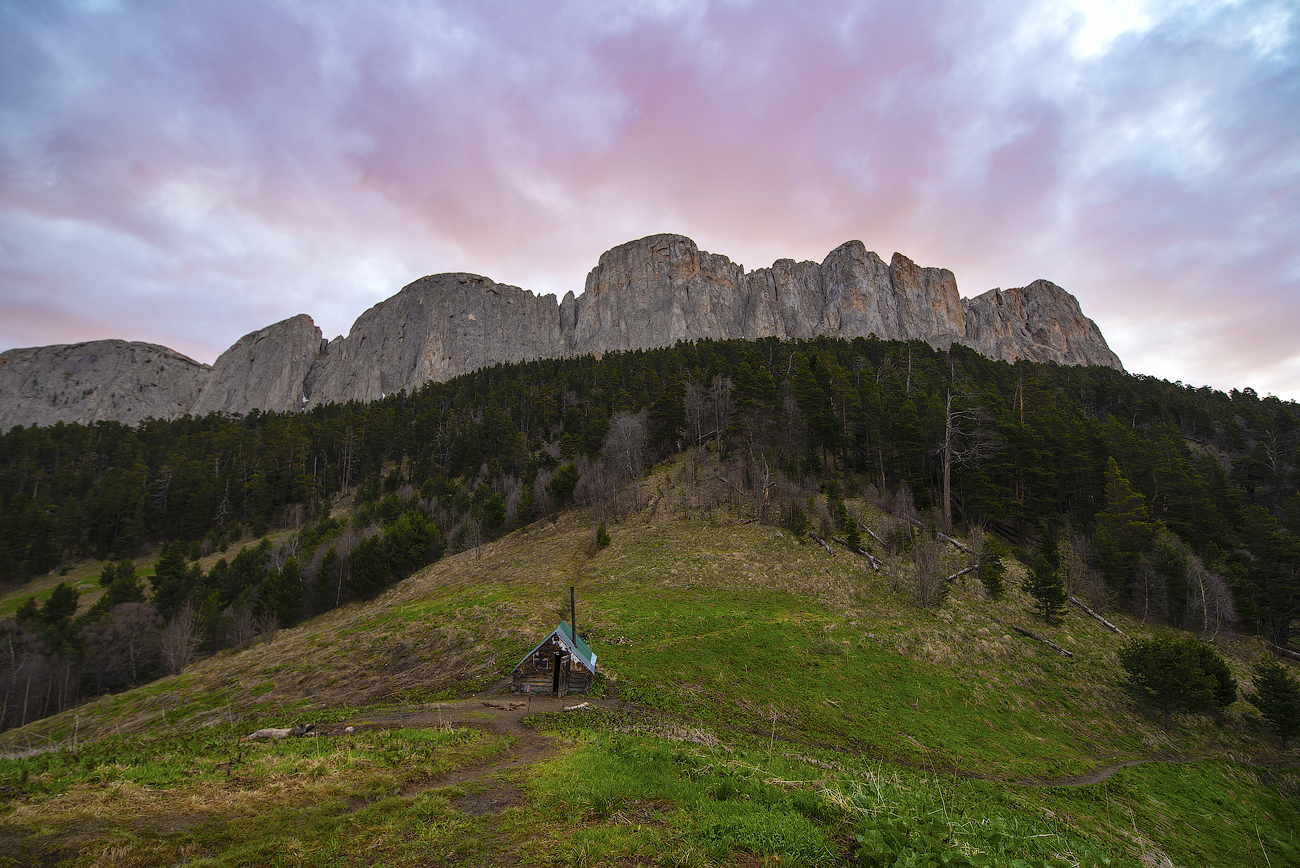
<point x="1040" y="322"/>
<point x="647" y="293"/>
<point x="434" y="329"/>
<point x="96" y="381"/>
<point x="265" y="369"/>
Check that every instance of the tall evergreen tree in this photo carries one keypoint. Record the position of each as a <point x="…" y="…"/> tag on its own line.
<point x="1277" y="696"/>
<point x="1124" y="530"/>
<point x="1046" y="584"/>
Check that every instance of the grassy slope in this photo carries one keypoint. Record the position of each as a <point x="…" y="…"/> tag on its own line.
<point x="745" y="634"/>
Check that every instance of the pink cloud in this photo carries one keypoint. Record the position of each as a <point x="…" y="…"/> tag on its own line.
<point x="202" y="170"/>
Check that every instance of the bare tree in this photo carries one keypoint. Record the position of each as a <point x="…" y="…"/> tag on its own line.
<point x="180" y="640"/>
<point x="1081" y="578"/>
<point x="243" y="629"/>
<point x="927" y="572"/>
<point x="125" y="642"/>
<point x="696" y="404"/>
<point x="764" y="481"/>
<point x="627" y="444"/>
<point x="267" y="625"/>
<point x="1210" y="597"/>
<point x="965" y="441"/>
<point x="474" y="537"/>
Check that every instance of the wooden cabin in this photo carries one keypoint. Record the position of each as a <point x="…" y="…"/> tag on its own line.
<point x="561" y="663"/>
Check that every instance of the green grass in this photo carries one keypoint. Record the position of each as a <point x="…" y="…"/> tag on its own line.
<point x="1205" y="813"/>
<point x="207" y="798"/>
<point x="720" y="800"/>
<point x="786" y="703"/>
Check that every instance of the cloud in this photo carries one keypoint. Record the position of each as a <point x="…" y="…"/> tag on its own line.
<point x="189" y="172"/>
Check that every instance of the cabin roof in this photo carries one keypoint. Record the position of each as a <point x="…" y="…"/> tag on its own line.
<point x="570" y="641"/>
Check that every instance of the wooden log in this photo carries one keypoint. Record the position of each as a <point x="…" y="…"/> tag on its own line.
<point x="824" y="544"/>
<point x="577" y="707"/>
<point x="873" y="534"/>
<point x="960" y="573"/>
<point x="1283" y="652"/>
<point x="866" y="554"/>
<point x="1108" y="624"/>
<point x="296" y="731"/>
<point x="1033" y="635"/>
<point x="943" y="536"/>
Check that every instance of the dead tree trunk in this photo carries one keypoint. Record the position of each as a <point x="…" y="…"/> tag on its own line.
<point x="1033" y="635"/>
<point x="1108" y="624"/>
<point x="875" y="564"/>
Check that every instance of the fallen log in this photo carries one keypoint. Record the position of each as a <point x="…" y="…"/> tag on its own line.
<point x="1115" y="629"/>
<point x="577" y="707"/>
<point x="943" y="536"/>
<point x="873" y="534"/>
<point x="824" y="544"/>
<point x="866" y="554"/>
<point x="959" y="574"/>
<point x="1283" y="652"/>
<point x="296" y="731"/>
<point x="1033" y="635"/>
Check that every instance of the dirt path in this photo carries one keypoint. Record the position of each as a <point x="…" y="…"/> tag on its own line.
<point x="532" y="747"/>
<point x="490" y="787"/>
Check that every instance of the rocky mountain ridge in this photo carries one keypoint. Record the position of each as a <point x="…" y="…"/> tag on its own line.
<point x="647" y="293"/>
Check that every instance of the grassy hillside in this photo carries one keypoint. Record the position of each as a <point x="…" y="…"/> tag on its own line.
<point x="763" y="701"/>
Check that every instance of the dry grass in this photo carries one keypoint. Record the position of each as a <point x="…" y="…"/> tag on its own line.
<point x="461" y="623"/>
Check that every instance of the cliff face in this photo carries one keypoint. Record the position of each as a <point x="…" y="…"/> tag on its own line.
<point x="647" y="293"/>
<point x="434" y="329"/>
<point x="265" y="369"/>
<point x="90" y="382"/>
<point x="1040" y="322"/>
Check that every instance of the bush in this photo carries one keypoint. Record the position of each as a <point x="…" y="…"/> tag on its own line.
<point x="1177" y="673"/>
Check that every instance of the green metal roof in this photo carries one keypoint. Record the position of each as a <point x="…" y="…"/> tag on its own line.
<point x="570" y="641"/>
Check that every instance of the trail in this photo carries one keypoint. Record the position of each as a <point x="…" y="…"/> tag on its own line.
<point x="490" y="787"/>
<point x="531" y="747"/>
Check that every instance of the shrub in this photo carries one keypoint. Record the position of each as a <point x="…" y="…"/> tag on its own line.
<point x="1177" y="673"/>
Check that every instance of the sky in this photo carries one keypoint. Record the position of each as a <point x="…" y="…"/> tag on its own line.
<point x="184" y="173"/>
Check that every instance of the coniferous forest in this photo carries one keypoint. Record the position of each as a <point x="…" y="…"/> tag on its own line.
<point x="1180" y="504"/>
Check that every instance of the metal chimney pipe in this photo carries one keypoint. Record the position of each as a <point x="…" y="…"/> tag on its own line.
<point x="573" y="614"/>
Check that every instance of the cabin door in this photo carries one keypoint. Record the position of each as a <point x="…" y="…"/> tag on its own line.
<point x="555" y="672"/>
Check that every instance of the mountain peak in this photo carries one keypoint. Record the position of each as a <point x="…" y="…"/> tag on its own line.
<point x="651" y="292"/>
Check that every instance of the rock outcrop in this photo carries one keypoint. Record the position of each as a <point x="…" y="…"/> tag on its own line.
<point x="265" y="369"/>
<point x="434" y="329"/>
<point x="647" y="293"/>
<point x="95" y="381"/>
<point x="1040" y="322"/>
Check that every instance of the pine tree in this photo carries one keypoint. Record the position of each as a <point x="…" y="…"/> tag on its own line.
<point x="1124" y="529"/>
<point x="282" y="593"/>
<point x="1277" y="696"/>
<point x="1045" y="583"/>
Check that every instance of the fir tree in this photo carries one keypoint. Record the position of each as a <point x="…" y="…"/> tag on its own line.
<point x="1124" y="530"/>
<point x="1277" y="696"/>
<point x="1045" y="583"/>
